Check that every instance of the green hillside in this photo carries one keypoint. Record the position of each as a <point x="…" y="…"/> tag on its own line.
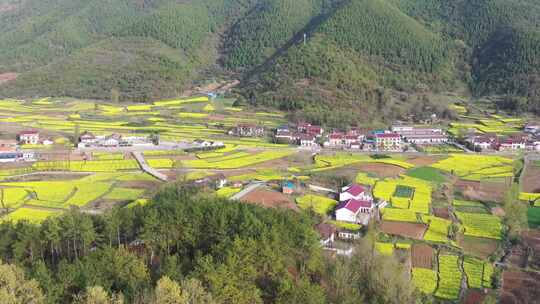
<point x="358" y="53"/>
<point x="261" y="32"/>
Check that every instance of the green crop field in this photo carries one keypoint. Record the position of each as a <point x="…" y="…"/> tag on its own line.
<point x="399" y="215"/>
<point x="227" y="192"/>
<point x="474" y="269"/>
<point x="124" y="194"/>
<point x="427" y="173"/>
<point x="449" y="277"/>
<point x="236" y="161"/>
<point x="529" y="197"/>
<point x="476" y="167"/>
<point x="437" y="229"/>
<point x="320" y="204"/>
<point x="29" y="214"/>
<point x="404" y="191"/>
<point x="346" y="225"/>
<point x="364" y="178"/>
<point x="533" y="217"/>
<point x="261" y="175"/>
<point x="481" y="225"/>
<point x="338" y="160"/>
<point x="384" y="248"/>
<point x="13" y="197"/>
<point x="424" y="279"/>
<point x="421" y="198"/>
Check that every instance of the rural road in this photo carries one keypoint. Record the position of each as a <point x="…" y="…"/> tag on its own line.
<point x="246" y="190"/>
<point x="146" y="168"/>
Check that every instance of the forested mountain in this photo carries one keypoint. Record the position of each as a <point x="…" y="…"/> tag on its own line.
<point x="355" y="55"/>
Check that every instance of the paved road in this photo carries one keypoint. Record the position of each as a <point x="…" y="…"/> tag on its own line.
<point x="247" y="190"/>
<point x="146" y="168"/>
<point x="163" y="146"/>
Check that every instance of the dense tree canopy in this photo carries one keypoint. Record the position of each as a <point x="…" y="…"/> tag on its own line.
<point x="187" y="248"/>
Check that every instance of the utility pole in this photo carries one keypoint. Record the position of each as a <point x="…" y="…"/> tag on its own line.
<point x="305" y="38"/>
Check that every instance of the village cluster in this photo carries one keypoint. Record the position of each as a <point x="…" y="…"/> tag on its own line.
<point x="528" y="140"/>
<point x="397" y="138"/>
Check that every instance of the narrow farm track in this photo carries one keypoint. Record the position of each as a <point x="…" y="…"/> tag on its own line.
<point x="146" y="168"/>
<point x="246" y="191"/>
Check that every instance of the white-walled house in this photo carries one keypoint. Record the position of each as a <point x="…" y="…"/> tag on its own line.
<point x="28" y="137"/>
<point x="354" y="191"/>
<point x="355" y="211"/>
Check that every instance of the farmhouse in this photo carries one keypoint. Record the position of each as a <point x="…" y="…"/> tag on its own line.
<point x="388" y="141"/>
<point x="354" y="191"/>
<point x="356" y="205"/>
<point x="350" y="140"/>
<point x="284" y="135"/>
<point x="87" y="138"/>
<point x="8" y="144"/>
<point x="308" y="140"/>
<point x="532" y="128"/>
<point x="327" y="233"/>
<point x="287" y="187"/>
<point x="421" y="136"/>
<point x="512" y="145"/>
<point x="30" y="137"/>
<point x="216" y="181"/>
<point x="355" y="211"/>
<point x="247" y="130"/>
<point x="307" y="128"/>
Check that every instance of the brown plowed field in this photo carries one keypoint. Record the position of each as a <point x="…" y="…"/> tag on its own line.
<point x="479" y="247"/>
<point x="422" y="256"/>
<point x="410" y="230"/>
<point x="473" y="297"/>
<point x="531" y="179"/>
<point x="531" y="239"/>
<point x="381" y="170"/>
<point x="269" y="199"/>
<point x="423" y="160"/>
<point x="520" y="287"/>
<point x="482" y="191"/>
<point x="442" y="212"/>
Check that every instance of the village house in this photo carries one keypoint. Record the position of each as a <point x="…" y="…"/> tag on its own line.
<point x="47" y="142"/>
<point x="247" y="130"/>
<point x="308" y="140"/>
<point x="351" y="140"/>
<point x="354" y="191"/>
<point x="284" y="135"/>
<point x="8" y="144"/>
<point x="421" y="135"/>
<point x="484" y="142"/>
<point x="388" y="142"/>
<point x="327" y="233"/>
<point x="356" y="205"/>
<point x="87" y="138"/>
<point x="514" y="142"/>
<point x="335" y="140"/>
<point x="29" y="137"/>
<point x="307" y="128"/>
<point x="216" y="181"/>
<point x="532" y="128"/>
<point x="287" y="187"/>
<point x="534" y="144"/>
<point x="355" y="211"/>
<point x="9" y="152"/>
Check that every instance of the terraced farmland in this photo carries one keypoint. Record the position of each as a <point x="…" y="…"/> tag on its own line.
<point x="481" y="225"/>
<point x="425" y="279"/>
<point x="449" y="277"/>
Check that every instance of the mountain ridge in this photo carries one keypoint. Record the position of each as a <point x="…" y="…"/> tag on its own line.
<point x="409" y="46"/>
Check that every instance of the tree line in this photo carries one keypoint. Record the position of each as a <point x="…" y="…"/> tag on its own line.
<point x="186" y="247"/>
